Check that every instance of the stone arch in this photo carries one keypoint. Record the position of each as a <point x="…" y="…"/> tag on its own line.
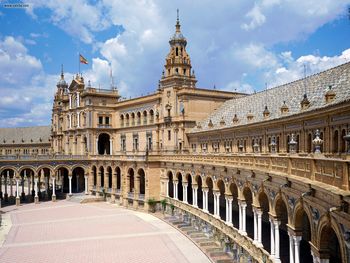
<point x="26" y="167"/>
<point x="222" y="199"/>
<point x="109" y="171"/>
<point x="119" y="178"/>
<point x="43" y="166"/>
<point x="81" y="166"/>
<point x="138" y="117"/>
<point x="142" y="180"/>
<point x="188" y="177"/>
<point x="101" y="173"/>
<point x="10" y="167"/>
<point x="330" y="240"/>
<point x="94" y="174"/>
<point x="131" y="180"/>
<point x="233" y="190"/>
<point x="210" y="185"/>
<point x="282" y="215"/>
<point x="62" y="166"/>
<point x="78" y="180"/>
<point x="199" y="182"/>
<point x="170" y="184"/>
<point x="248" y="195"/>
<point x="264" y="207"/>
<point x="144" y="115"/>
<point x="62" y="177"/>
<point x="179" y="178"/>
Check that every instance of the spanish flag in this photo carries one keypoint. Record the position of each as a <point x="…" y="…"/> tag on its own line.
<point x="83" y="60"/>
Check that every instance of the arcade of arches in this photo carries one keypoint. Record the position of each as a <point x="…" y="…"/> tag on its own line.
<point x="288" y="228"/>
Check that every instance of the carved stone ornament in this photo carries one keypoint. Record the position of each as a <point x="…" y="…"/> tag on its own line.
<point x="272" y="194"/>
<point x="315" y="215"/>
<point x="291" y="202"/>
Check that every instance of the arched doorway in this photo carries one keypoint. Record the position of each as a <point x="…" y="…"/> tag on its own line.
<point x="104" y="143"/>
<point x="78" y="180"/>
<point x="141" y="174"/>
<point x="329" y="245"/>
<point x="170" y="185"/>
<point x="94" y="173"/>
<point x="131" y="180"/>
<point x="179" y="187"/>
<point x="302" y="223"/>
<point x="248" y="197"/>
<point x="189" y="189"/>
<point x="199" y="192"/>
<point x="109" y="172"/>
<point x="63" y="179"/>
<point x="235" y="207"/>
<point x="209" y="183"/>
<point x="282" y="217"/>
<point x="118" y="174"/>
<point x="102" y="177"/>
<point x="265" y="225"/>
<point x="222" y="200"/>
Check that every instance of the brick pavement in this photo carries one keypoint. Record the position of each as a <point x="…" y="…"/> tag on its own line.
<point x="99" y="232"/>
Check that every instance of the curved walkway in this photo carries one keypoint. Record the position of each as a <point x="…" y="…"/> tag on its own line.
<point x="97" y="232"/>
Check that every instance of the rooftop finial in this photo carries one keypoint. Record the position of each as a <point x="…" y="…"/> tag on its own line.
<point x="62" y="75"/>
<point x="177" y="22"/>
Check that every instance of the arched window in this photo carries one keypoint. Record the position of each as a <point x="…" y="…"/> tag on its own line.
<point x="335" y="141"/>
<point x="103" y="143"/>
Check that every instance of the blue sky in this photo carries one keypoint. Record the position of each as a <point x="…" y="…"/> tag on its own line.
<point x="234" y="45"/>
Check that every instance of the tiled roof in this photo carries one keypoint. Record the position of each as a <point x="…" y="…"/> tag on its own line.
<point x="25" y="135"/>
<point x="292" y="93"/>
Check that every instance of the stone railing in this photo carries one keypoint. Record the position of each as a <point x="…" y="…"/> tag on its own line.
<point x="333" y="172"/>
<point x="227" y="235"/>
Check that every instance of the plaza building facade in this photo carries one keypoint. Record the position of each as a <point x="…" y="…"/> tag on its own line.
<point x="266" y="174"/>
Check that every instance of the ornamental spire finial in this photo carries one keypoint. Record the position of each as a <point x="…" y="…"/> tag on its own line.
<point x="177" y="21"/>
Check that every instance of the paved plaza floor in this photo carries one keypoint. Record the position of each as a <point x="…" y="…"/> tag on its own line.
<point x="66" y="232"/>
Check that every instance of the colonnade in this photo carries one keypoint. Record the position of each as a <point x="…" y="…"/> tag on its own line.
<point x="282" y="232"/>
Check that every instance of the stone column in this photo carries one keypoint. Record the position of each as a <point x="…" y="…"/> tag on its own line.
<point x="195" y="195"/>
<point x="217" y="204"/>
<point x="78" y="119"/>
<point x="86" y="177"/>
<point x="272" y="233"/>
<point x="11" y="186"/>
<point x="29" y="182"/>
<point x="6" y="177"/>
<point x="175" y="189"/>
<point x="205" y="199"/>
<point x="36" y="197"/>
<point x="229" y="210"/>
<point x="291" y="248"/>
<point x="260" y="212"/>
<point x="53" y="189"/>
<point x="70" y="100"/>
<point x="297" y="240"/>
<point x="277" y="240"/>
<point x="98" y="183"/>
<point x="244" y="218"/>
<point x="96" y="152"/>
<point x="239" y="217"/>
<point x="70" y="184"/>
<point x="17" y="192"/>
<point x="255" y="226"/>
<point x="136" y="191"/>
<point x="167" y="187"/>
<point x="184" y="187"/>
<point x="110" y="147"/>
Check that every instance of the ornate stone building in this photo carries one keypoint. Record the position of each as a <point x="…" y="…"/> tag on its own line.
<point x="266" y="174"/>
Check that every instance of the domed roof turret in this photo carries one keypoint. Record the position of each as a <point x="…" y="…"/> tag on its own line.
<point x="178" y="37"/>
<point x="62" y="83"/>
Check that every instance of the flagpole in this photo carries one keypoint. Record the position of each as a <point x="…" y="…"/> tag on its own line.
<point x="79" y="63"/>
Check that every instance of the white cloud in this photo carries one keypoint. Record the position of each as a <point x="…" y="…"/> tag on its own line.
<point x="256" y="16"/>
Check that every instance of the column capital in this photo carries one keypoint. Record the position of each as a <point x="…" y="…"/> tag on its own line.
<point x="297" y="238"/>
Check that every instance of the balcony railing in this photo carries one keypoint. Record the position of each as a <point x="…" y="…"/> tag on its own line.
<point x="131" y="195"/>
<point x="325" y="170"/>
<point x="141" y="196"/>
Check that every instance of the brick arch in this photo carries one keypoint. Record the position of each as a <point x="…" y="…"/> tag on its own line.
<point x="280" y="196"/>
<point x="52" y="169"/>
<point x="80" y="166"/>
<point x="62" y="166"/>
<point x="326" y="224"/>
<point x="10" y="167"/>
<point x="24" y="167"/>
<point x="260" y="194"/>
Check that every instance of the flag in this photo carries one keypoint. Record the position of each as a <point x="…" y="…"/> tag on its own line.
<point x="83" y="60"/>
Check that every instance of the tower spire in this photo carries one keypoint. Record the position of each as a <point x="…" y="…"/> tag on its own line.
<point x="177" y="22"/>
<point x="62" y="74"/>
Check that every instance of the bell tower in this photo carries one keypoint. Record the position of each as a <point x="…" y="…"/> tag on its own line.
<point x="177" y="72"/>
